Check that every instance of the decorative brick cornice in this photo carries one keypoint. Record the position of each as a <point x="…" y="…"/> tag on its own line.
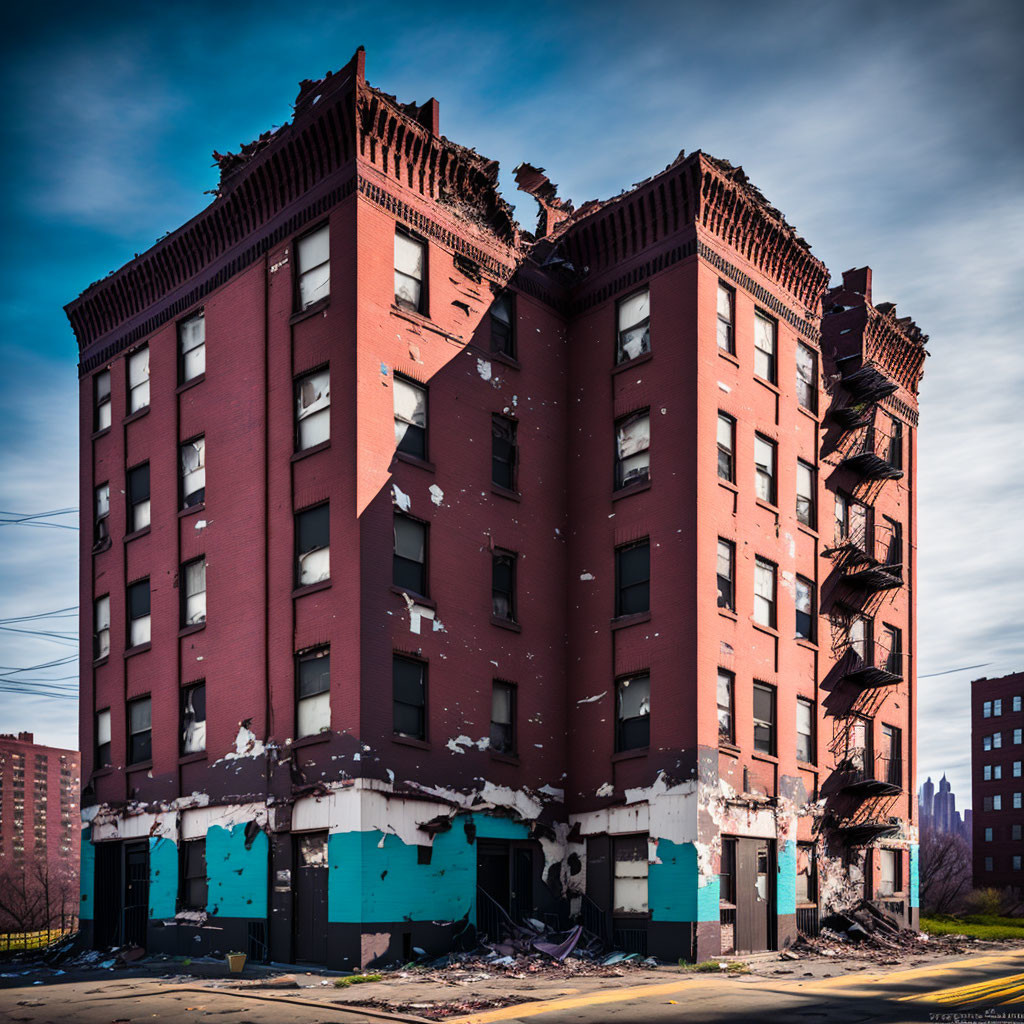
<point x="902" y="355"/>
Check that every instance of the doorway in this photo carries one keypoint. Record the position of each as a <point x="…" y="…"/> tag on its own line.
<point x="504" y="876"/>
<point x="136" y="894"/>
<point x="755" y="892"/>
<point x="310" y="910"/>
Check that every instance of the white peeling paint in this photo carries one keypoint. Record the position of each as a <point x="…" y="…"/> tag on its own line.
<point x="201" y="524"/>
<point x="586" y="577"/>
<point x="605" y="789"/>
<point x="436" y="494"/>
<point x="483" y="367"/>
<point x="590" y="700"/>
<point x="724" y="387"/>
<point x="400" y="498"/>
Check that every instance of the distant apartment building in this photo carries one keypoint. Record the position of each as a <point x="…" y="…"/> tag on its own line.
<point x="420" y="544"/>
<point x="39" y="830"/>
<point x="997" y="781"/>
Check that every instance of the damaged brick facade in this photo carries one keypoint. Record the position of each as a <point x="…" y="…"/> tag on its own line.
<point x="477" y="674"/>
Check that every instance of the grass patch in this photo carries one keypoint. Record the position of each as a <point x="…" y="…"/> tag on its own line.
<point x="715" y="967"/>
<point x="978" y="926"/>
<point x="356" y="979"/>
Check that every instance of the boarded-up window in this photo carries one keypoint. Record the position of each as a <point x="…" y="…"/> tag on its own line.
<point x="503" y="585"/>
<point x="805" y="494"/>
<point x="192" y="348"/>
<point x="629" y="886"/>
<point x="138" y="497"/>
<point x="192" y="890"/>
<point x="726" y="304"/>
<point x="194" y="592"/>
<point x="313" y="691"/>
<point x="764" y="346"/>
<point x="504" y="451"/>
<point x="312" y="409"/>
<point x="138" y="614"/>
<point x="312" y="545"/>
<point x="193" y="472"/>
<point x="503" y="722"/>
<point x="726" y="447"/>
<point x="889" y="873"/>
<point x="633" y="713"/>
<point x="193" y="719"/>
<point x="503" y="335"/>
<point x="807" y="377"/>
<point x="632" y="449"/>
<point x="140" y="730"/>
<point x="409" y="570"/>
<point x="410" y="263"/>
<point x="764" y="465"/>
<point x="634" y="317"/>
<point x="101" y="393"/>
<point x="726" y="568"/>
<point x="101" y="627"/>
<point x="314" y="258"/>
<point x="410" y="417"/>
<point x="409" y="687"/>
<point x="138" y="379"/>
<point x="633" y="579"/>
<point x="103" y="738"/>
<point x="764" y="592"/>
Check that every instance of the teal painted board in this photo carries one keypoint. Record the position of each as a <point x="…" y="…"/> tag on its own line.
<point x="915" y="893"/>
<point x="672" y="885"/>
<point x="709" y="900"/>
<point x="785" y="885"/>
<point x="87" y="878"/>
<point x="163" y="877"/>
<point x="236" y="877"/>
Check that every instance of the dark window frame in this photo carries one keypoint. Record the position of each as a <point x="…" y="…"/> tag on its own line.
<point x="297" y="540"/>
<point x="623" y="741"/>
<point x="133" y="482"/>
<point x="191" y="855"/>
<point x="397" y="559"/>
<point x="510" y="745"/>
<point x="319" y="656"/>
<point x="895" y="454"/>
<point x="499" y="458"/>
<point x="810" y="632"/>
<point x="199" y="314"/>
<point x="624" y="421"/>
<point x="183" y="594"/>
<point x="99" y="400"/>
<point x="726" y="584"/>
<point x="504" y="557"/>
<point x="620" y="353"/>
<point x="730" y="453"/>
<point x="625" y="607"/>
<point x="411" y="429"/>
<point x="726" y="734"/>
<point x="424" y="731"/>
<point x="774" y="356"/>
<point x="188" y="695"/>
<point x="730" y="324"/>
<point x="773" y="619"/>
<point x="771" y="724"/>
<point x="810" y="518"/>
<point x="183" y="498"/>
<point x="812" y="737"/>
<point x="103" y="758"/>
<point x="772" y="474"/>
<point x="510" y="347"/>
<point x="296" y="392"/>
<point x="812" y="406"/>
<point x="139" y="751"/>
<point x="133" y="605"/>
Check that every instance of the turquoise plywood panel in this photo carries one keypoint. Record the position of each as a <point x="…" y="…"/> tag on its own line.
<point x="236" y="877"/>
<point x="163" y="877"/>
<point x="915" y="893"/>
<point x="785" y="885"/>
<point x="87" y="879"/>
<point x="673" y="891"/>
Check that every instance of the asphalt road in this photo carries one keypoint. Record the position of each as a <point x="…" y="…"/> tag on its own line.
<point x="986" y="989"/>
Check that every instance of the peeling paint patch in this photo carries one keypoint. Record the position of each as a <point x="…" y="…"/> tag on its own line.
<point x="483" y="367"/>
<point x="200" y="524"/>
<point x="605" y="789"/>
<point x="246" y="744"/>
<point x="460" y="744"/>
<point x="400" y="498"/>
<point x="163" y="877"/>
<point x="436" y="494"/>
<point x="586" y="577"/>
<point x="724" y="387"/>
<point x="596" y="697"/>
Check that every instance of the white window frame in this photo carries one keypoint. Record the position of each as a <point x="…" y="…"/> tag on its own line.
<point x="313" y="266"/>
<point x="138" y="379"/>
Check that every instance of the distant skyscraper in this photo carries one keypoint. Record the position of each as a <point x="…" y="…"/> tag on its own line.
<point x="938" y="809"/>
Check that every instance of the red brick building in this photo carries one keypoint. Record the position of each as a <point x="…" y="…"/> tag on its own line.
<point x="39" y="844"/>
<point x="997" y="782"/>
<point x="524" y="593"/>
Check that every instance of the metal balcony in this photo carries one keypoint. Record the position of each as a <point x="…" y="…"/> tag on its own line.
<point x="874" y="577"/>
<point x="864" y="775"/>
<point x="870" y="456"/>
<point x="868" y="383"/>
<point x="872" y="665"/>
<point x="862" y="833"/>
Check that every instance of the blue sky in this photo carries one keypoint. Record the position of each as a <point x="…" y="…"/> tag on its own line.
<point x="888" y="133"/>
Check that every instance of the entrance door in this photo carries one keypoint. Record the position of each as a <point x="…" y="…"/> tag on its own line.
<point x="521" y="896"/>
<point x="136" y="894"/>
<point x="493" y="883"/>
<point x="755" y="876"/>
<point x="108" y="896"/>
<point x="310" y="914"/>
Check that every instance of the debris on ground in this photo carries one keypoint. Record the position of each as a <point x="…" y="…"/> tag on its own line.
<point x="440" y="1009"/>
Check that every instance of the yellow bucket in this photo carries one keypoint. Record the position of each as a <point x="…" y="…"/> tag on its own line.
<point x="236" y="961"/>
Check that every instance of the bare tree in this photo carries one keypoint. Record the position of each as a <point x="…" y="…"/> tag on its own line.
<point x="944" y="871"/>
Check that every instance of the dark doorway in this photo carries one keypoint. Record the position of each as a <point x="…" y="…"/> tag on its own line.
<point x="755" y="886"/>
<point x="504" y="877"/>
<point x="107" y="896"/>
<point x="310" y="914"/>
<point x="136" y="893"/>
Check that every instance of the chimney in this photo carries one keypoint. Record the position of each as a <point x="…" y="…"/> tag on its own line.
<point x="859" y="281"/>
<point x="25" y="737"/>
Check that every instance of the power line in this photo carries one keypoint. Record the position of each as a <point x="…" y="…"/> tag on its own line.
<point x="949" y="671"/>
<point x="10" y="670"/>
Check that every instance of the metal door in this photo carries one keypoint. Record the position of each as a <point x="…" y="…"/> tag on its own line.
<point x="136" y="894"/>
<point x="754" y="891"/>
<point x="310" y="916"/>
<point x="521" y="896"/>
<point x="108" y="895"/>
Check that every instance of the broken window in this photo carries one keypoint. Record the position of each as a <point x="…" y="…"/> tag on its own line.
<point x="634" y="316"/>
<point x="726" y="572"/>
<point x="312" y="545"/>
<point x="191" y="348"/>
<point x="726" y="447"/>
<point x="503" y="585"/>
<point x="193" y="472"/>
<point x="503" y="318"/>
<point x="764" y="466"/>
<point x="764" y="592"/>
<point x="410" y="417"/>
<point x="805" y="730"/>
<point x="103" y="738"/>
<point x="895" y="443"/>
<point x="410" y="264"/>
<point x="806" y="873"/>
<point x="725" y="691"/>
<point x="140" y="730"/>
<point x="192" y="891"/>
<point x="806" y="512"/>
<point x="138" y="498"/>
<point x="138" y="613"/>
<point x="889" y="865"/>
<point x="629" y="886"/>
<point x="193" y="719"/>
<point x="807" y="377"/>
<point x="409" y="570"/>
<point x="313" y="691"/>
<point x="892" y="649"/>
<point x="633" y="713"/>
<point x="409" y="683"/>
<point x="101" y="627"/>
<point x="726" y="308"/>
<point x="138" y="379"/>
<point x="193" y="592"/>
<point x="632" y="449"/>
<point x="314" y="270"/>
<point x="764" y="718"/>
<point x="894" y="549"/>
<point x="101" y="395"/>
<point x="504" y="451"/>
<point x="633" y="578"/>
<point x="765" y="330"/>
<point x="101" y="527"/>
<point x="312" y="409"/>
<point x="503" y="717"/>
<point x="804" y="600"/>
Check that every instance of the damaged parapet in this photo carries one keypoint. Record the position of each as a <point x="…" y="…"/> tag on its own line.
<point x="553" y="211"/>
